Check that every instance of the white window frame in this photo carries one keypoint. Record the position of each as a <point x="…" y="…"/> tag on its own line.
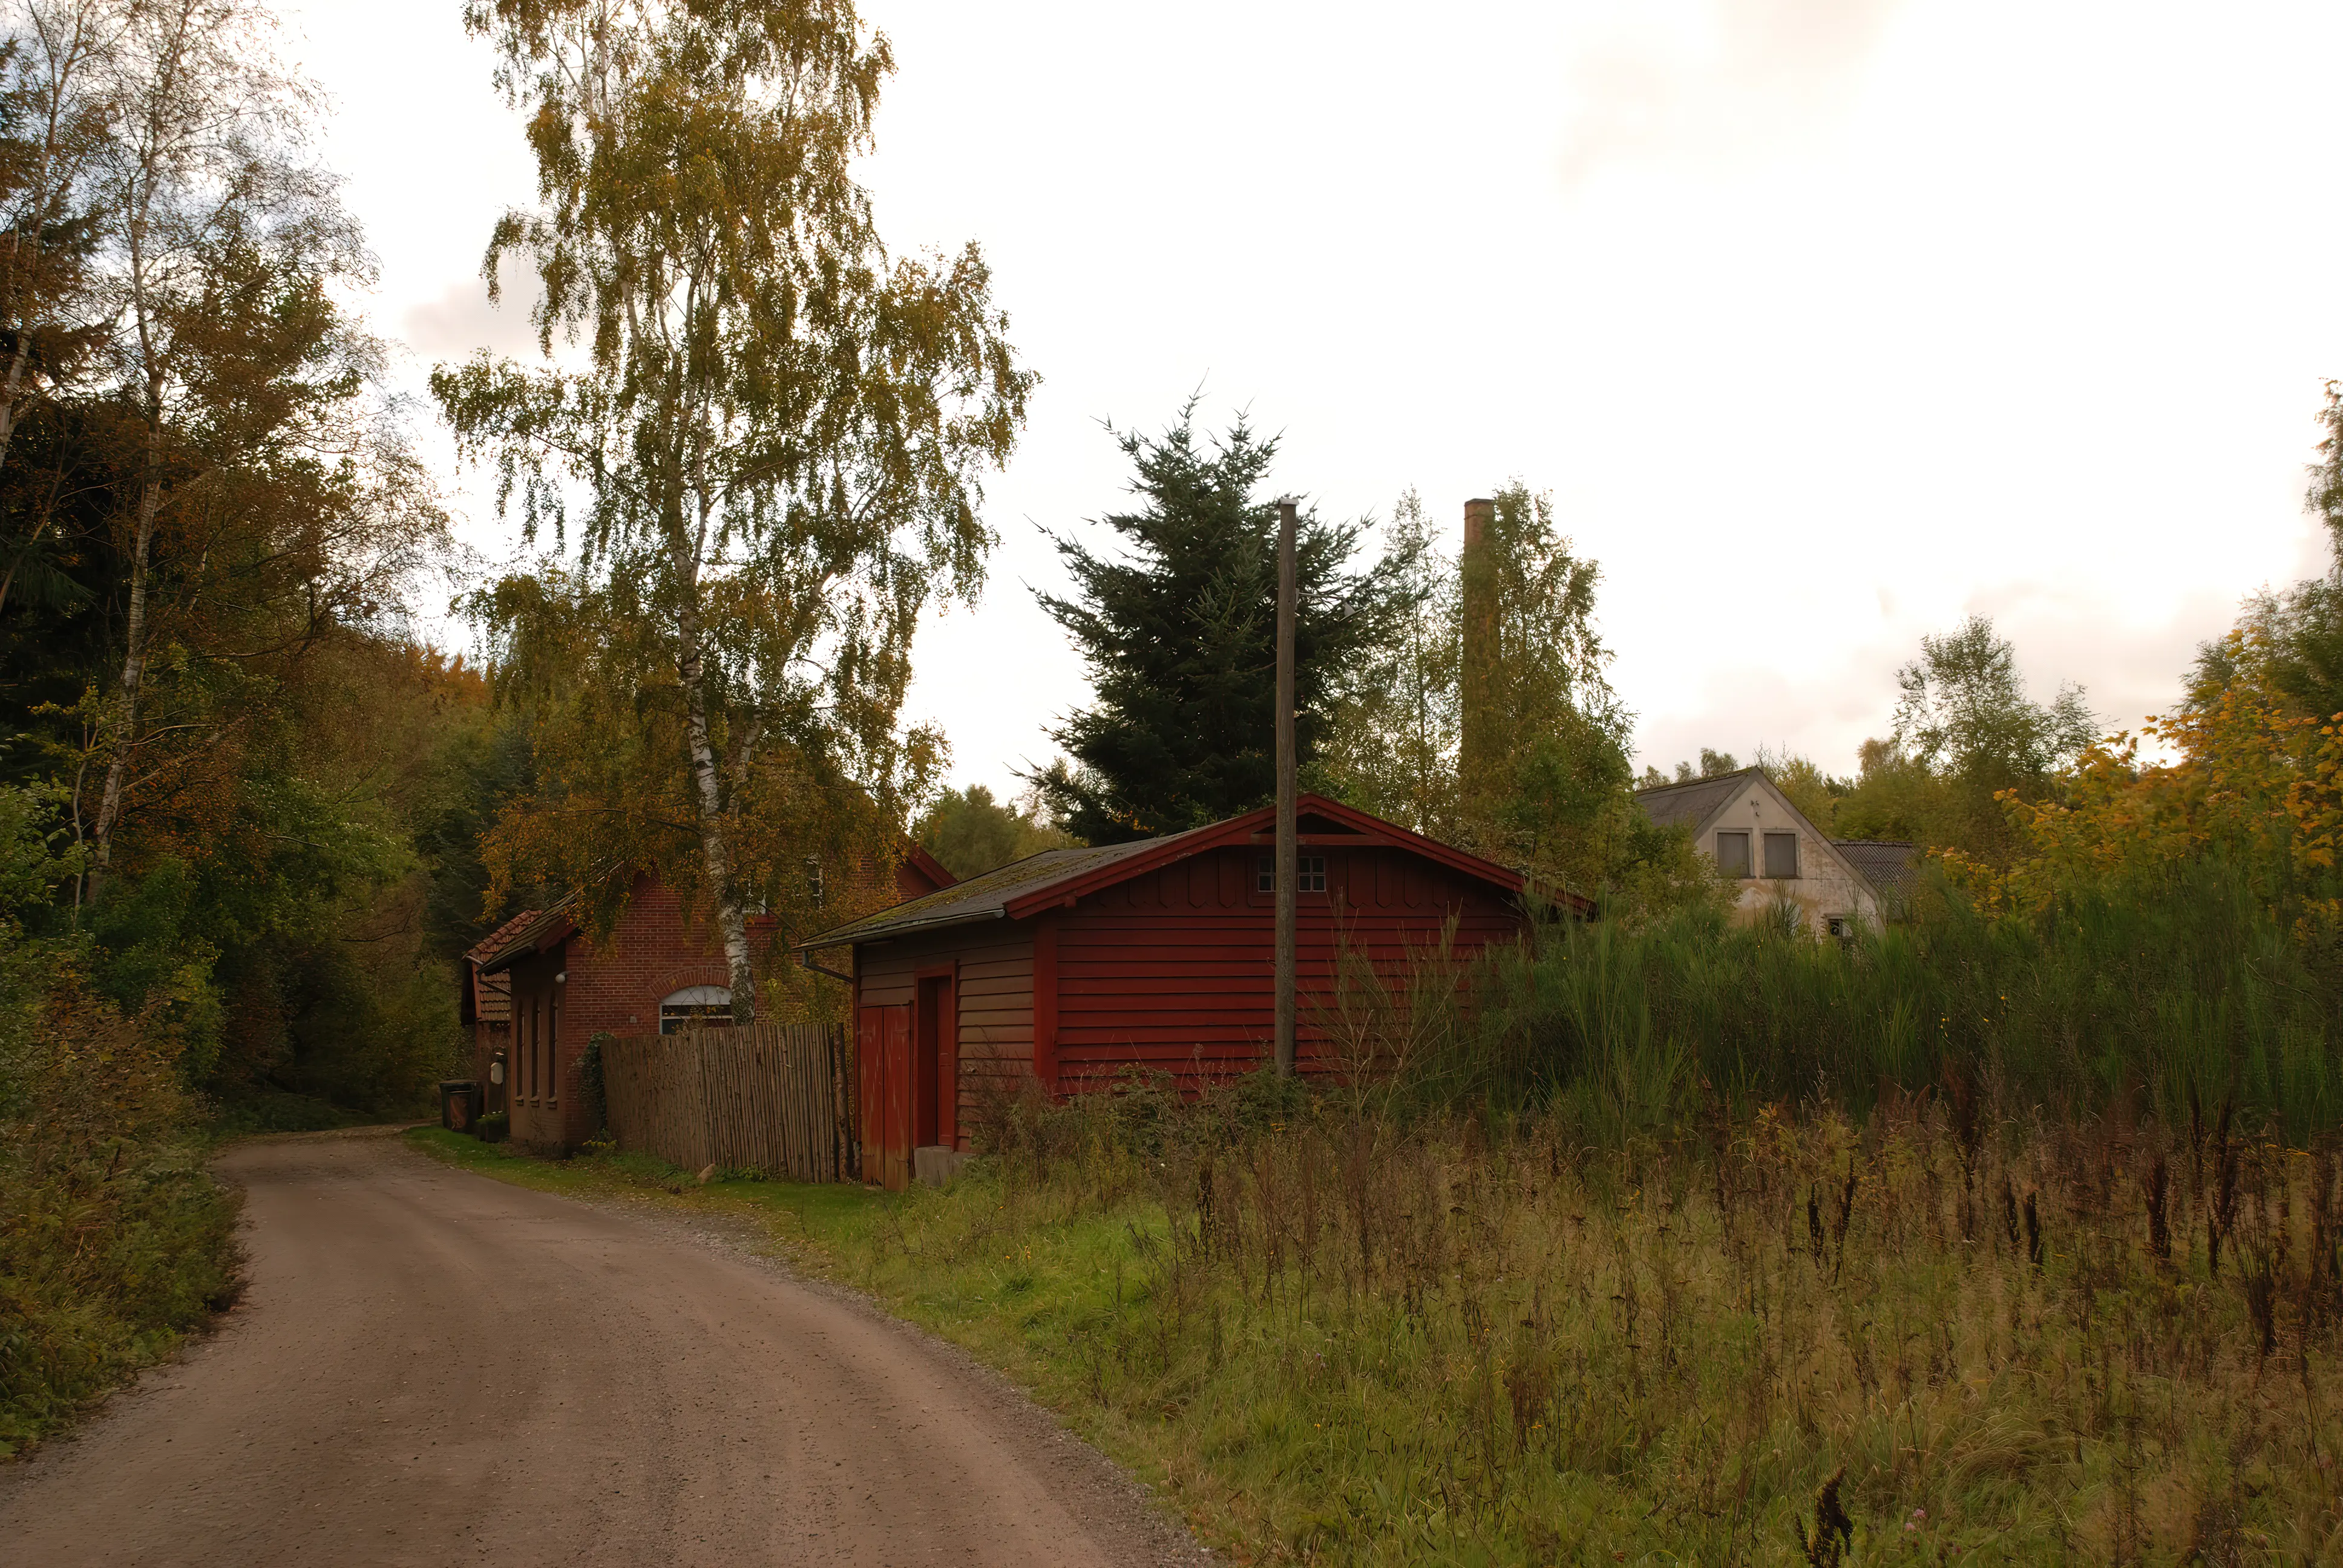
<point x="695" y="1004"/>
<point x="1309" y="874"/>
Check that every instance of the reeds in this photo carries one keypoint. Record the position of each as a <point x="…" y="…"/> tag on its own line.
<point x="1779" y="1337"/>
<point x="2200" y="994"/>
<point x="1973" y="1240"/>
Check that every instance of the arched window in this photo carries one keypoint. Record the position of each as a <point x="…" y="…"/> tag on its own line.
<point x="695" y="1004"/>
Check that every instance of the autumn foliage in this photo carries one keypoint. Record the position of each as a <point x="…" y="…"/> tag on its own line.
<point x="2250" y="784"/>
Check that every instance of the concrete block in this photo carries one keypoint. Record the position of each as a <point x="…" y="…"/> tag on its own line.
<point x="935" y="1165"/>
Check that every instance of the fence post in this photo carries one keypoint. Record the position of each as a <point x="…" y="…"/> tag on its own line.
<point x="845" y="1104"/>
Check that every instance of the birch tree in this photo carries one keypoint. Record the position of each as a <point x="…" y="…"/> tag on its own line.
<point x="764" y="436"/>
<point x="210" y="226"/>
<point x="53" y="132"/>
<point x="57" y="109"/>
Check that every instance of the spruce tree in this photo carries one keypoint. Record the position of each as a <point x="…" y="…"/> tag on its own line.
<point x="1179" y="629"/>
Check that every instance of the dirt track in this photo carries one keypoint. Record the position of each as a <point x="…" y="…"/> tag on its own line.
<point x="433" y="1367"/>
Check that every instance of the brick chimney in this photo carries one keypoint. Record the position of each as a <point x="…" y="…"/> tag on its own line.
<point x="1478" y="747"/>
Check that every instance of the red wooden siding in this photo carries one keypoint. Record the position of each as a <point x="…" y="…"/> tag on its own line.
<point x="870" y="1088"/>
<point x="893" y="1087"/>
<point x="1170" y="969"/>
<point x="1173" y="970"/>
<point x="991" y="1036"/>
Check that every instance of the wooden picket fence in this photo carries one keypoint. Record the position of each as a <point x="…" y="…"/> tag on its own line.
<point x="773" y="1097"/>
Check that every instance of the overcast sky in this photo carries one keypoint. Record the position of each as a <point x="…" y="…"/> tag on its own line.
<point x="1826" y="322"/>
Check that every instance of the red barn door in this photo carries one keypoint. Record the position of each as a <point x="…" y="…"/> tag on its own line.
<point x="883" y="1045"/>
<point x="935" y="1064"/>
<point x="870" y="1085"/>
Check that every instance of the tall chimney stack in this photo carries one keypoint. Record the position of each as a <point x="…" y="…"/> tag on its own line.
<point x="1478" y="747"/>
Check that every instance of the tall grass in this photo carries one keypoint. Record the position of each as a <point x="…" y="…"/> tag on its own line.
<point x="2199" y="998"/>
<point x="1955" y="1331"/>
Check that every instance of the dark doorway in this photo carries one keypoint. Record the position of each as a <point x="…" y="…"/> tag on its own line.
<point x="935" y="1066"/>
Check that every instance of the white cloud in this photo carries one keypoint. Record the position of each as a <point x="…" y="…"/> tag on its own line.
<point x="461" y="320"/>
<point x="1946" y="304"/>
<point x="1716" y="83"/>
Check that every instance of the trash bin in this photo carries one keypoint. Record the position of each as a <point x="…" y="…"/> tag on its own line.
<point x="460" y="1104"/>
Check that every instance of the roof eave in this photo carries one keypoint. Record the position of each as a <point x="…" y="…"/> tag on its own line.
<point x="557" y="928"/>
<point x="1173" y="847"/>
<point x="1177" y="846"/>
<point x="1239" y="830"/>
<point x="850" y="936"/>
<point x="931" y="867"/>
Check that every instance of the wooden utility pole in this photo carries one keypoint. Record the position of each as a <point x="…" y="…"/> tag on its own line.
<point x="1287" y="851"/>
<point x="1478" y="747"/>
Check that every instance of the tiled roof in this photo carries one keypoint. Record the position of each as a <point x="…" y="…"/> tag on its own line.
<point x="986" y="896"/>
<point x="492" y="993"/>
<point x="491" y="996"/>
<point x="489" y="946"/>
<point x="527" y="934"/>
<point x="1688" y="805"/>
<point x="1891" y="866"/>
<point x="1025" y="886"/>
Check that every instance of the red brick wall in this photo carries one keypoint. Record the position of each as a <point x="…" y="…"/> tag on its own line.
<point x="614" y="986"/>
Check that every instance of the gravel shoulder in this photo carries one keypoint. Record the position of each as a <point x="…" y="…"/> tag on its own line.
<point x="432" y="1366"/>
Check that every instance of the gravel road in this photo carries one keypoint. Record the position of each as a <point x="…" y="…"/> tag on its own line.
<point x="430" y="1366"/>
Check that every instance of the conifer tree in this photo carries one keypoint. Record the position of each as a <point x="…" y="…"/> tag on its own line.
<point x="1179" y="631"/>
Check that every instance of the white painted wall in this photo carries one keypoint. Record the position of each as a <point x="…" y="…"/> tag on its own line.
<point x="1826" y="888"/>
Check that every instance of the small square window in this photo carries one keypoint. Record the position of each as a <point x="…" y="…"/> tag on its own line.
<point x="1309" y="874"/>
<point x="1733" y="853"/>
<point x="1781" y="854"/>
<point x="1842" y="927"/>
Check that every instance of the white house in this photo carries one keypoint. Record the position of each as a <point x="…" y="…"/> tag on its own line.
<point x="1747" y="826"/>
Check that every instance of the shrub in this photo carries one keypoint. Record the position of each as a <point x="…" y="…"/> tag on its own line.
<point x="113" y="1241"/>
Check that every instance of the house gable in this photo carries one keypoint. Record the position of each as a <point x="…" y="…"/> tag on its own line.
<point x="1748" y="799"/>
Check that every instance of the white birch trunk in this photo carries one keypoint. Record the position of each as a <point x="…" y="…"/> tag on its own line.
<point x="708" y="795"/>
<point x="124" y="731"/>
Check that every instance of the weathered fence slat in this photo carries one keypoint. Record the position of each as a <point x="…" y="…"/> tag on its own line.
<point x="772" y="1098"/>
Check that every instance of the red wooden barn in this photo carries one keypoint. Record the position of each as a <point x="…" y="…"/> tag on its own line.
<point x="1070" y="966"/>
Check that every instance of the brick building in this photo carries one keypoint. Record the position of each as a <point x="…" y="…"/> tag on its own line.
<point x="483" y="1006"/>
<point x="656" y="972"/>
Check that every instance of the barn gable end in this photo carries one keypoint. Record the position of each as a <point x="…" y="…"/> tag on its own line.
<point x="1171" y="970"/>
<point x="1073" y="968"/>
